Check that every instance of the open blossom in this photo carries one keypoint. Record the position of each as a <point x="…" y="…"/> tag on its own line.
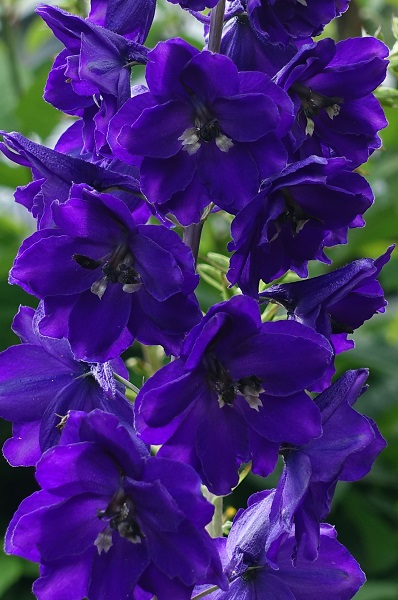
<point x="203" y="132"/>
<point x="337" y="303"/>
<point x="249" y="48"/>
<point x="257" y="560"/>
<point x="131" y="18"/>
<point x="121" y="279"/>
<point x="234" y="394"/>
<point x="331" y="86"/>
<point x="40" y="381"/>
<point x="90" y="78"/>
<point x="284" y="20"/>
<point x="54" y="173"/>
<point x="346" y="450"/>
<point x="309" y="205"/>
<point x="110" y="517"/>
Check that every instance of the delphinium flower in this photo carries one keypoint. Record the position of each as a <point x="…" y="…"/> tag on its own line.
<point x="54" y="174"/>
<point x="110" y="517"/>
<point x="91" y="77"/>
<point x="337" y="303"/>
<point x="346" y="450"/>
<point x="331" y="86"/>
<point x="40" y="381"/>
<point x="258" y="563"/>
<point x="234" y="394"/>
<point x="122" y="280"/>
<point x="284" y="20"/>
<point x="249" y="48"/>
<point x="130" y="18"/>
<point x="203" y="133"/>
<point x="309" y="205"/>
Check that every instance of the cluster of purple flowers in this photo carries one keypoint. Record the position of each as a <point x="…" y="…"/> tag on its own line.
<point x="267" y="126"/>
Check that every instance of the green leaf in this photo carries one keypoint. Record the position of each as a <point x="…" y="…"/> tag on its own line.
<point x="378" y="590"/>
<point x="11" y="570"/>
<point x="394" y="26"/>
<point x="388" y="97"/>
<point x="211" y="275"/>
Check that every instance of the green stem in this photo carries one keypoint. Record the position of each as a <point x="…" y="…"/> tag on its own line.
<point x="153" y="357"/>
<point x="10" y="34"/>
<point x="192" y="234"/>
<point x="127" y="383"/>
<point x="216" y="26"/>
<point x="206" y="592"/>
<point x="218" y="516"/>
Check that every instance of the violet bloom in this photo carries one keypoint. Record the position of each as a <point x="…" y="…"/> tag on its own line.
<point x="346" y="450"/>
<point x="130" y="18"/>
<point x="337" y="303"/>
<point x="331" y="85"/>
<point x="259" y="565"/>
<point x="91" y="77"/>
<point x="54" y="174"/>
<point x="235" y="393"/>
<point x="309" y="205"/>
<point x="195" y="4"/>
<point x="203" y="133"/>
<point x="106" y="280"/>
<point x="284" y="20"/>
<point x="110" y="517"/>
<point x="40" y="381"/>
<point x="249" y="48"/>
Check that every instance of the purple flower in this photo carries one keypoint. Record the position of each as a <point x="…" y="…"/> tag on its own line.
<point x="195" y="4"/>
<point x="91" y="77"/>
<point x="129" y="18"/>
<point x="309" y="205"/>
<point x="346" y="450"/>
<point x="235" y="393"/>
<point x="249" y="48"/>
<point x="110" y="517"/>
<point x="331" y="85"/>
<point x="336" y="303"/>
<point x="219" y="132"/>
<point x="121" y="280"/>
<point x="55" y="172"/>
<point x="283" y="20"/>
<point x="40" y="381"/>
<point x="259" y="565"/>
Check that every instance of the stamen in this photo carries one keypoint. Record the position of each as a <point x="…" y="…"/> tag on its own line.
<point x="98" y="287"/>
<point x="190" y="141"/>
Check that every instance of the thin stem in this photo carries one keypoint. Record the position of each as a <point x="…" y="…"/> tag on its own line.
<point x="216" y="26"/>
<point x="218" y="517"/>
<point x="10" y="34"/>
<point x="206" y="592"/>
<point x="192" y="234"/>
<point x="127" y="383"/>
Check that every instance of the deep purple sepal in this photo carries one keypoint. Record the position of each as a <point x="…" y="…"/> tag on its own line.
<point x="107" y="512"/>
<point x="309" y="205"/>
<point x="97" y="258"/>
<point x="257" y="561"/>
<point x="54" y="174"/>
<point x="331" y="86"/>
<point x="346" y="450"/>
<point x="131" y="19"/>
<point x="40" y="381"/>
<point x="337" y="303"/>
<point x="220" y="133"/>
<point x="285" y="20"/>
<point x="236" y="379"/>
<point x="91" y="77"/>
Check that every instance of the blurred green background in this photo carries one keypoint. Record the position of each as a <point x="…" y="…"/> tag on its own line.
<point x="365" y="513"/>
